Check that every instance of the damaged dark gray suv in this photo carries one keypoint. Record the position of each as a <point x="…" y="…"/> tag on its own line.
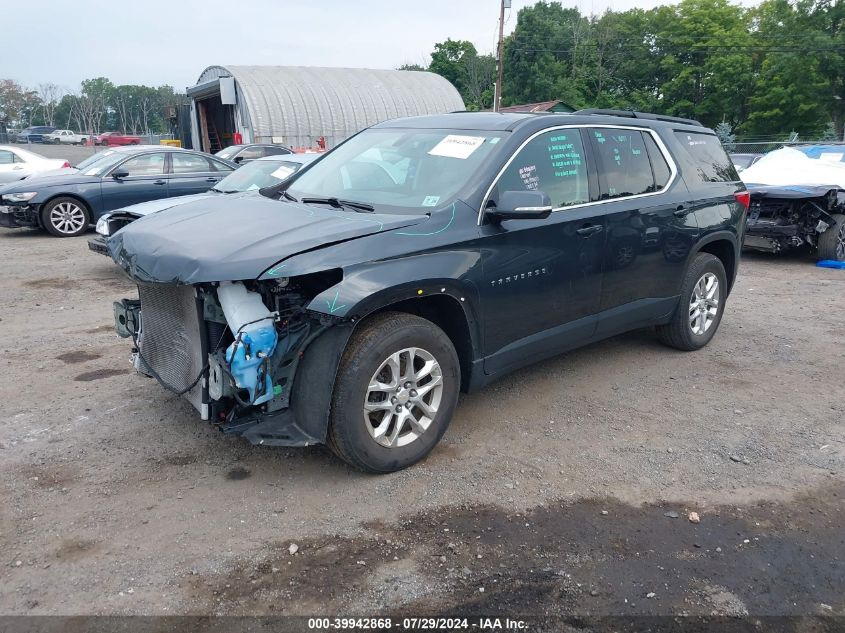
<point x="351" y="304"/>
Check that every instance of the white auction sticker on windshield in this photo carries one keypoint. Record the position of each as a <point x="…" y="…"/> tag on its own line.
<point x="282" y="172"/>
<point x="457" y="146"/>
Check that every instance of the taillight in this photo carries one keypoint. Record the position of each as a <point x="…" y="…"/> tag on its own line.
<point x="744" y="198"/>
<point x="67" y="164"/>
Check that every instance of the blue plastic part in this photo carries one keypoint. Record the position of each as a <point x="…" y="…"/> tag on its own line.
<point x="260" y="343"/>
<point x="830" y="263"/>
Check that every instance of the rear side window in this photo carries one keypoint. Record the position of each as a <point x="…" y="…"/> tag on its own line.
<point x="623" y="162"/>
<point x="189" y="163"/>
<point x="659" y="166"/>
<point x="712" y="162"/>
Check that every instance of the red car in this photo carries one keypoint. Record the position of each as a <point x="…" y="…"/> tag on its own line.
<point x="116" y="138"/>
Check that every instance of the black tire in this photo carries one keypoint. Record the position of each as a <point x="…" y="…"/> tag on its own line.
<point x="832" y="241"/>
<point x="77" y="217"/>
<point x="679" y="333"/>
<point x="375" y="340"/>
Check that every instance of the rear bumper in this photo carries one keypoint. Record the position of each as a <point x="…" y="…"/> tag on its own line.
<point x="98" y="245"/>
<point x="14" y="217"/>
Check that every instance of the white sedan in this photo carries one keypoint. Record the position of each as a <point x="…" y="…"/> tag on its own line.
<point x="17" y="164"/>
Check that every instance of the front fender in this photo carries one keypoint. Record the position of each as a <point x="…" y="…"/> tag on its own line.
<point x="376" y="285"/>
<point x="369" y="287"/>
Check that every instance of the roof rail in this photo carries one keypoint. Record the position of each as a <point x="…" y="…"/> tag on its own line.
<point x="631" y="114"/>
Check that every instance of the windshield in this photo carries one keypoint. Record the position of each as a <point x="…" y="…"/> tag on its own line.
<point x="405" y="168"/>
<point x="100" y="163"/>
<point x="228" y="152"/>
<point x="94" y="158"/>
<point x="257" y="174"/>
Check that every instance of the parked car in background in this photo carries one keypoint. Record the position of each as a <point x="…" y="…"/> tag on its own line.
<point x="65" y="205"/>
<point x="351" y="303"/>
<point x="744" y="161"/>
<point x="17" y="163"/>
<point x="67" y="137"/>
<point x="260" y="173"/>
<point x="33" y="134"/>
<point x="253" y="151"/>
<point x="116" y="138"/>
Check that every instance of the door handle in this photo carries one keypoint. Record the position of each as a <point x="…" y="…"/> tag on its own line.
<point x="682" y="211"/>
<point x="212" y="179"/>
<point x="586" y="231"/>
<point x="159" y="182"/>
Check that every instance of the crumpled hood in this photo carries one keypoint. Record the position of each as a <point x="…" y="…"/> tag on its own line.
<point x="224" y="239"/>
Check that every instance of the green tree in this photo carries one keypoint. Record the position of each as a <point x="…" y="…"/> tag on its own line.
<point x="449" y="58"/>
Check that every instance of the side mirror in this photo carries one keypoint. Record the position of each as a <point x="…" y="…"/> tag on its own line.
<point x="521" y="205"/>
<point x="238" y="159"/>
<point x="119" y="173"/>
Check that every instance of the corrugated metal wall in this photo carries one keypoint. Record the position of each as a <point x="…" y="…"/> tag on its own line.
<point x="298" y="104"/>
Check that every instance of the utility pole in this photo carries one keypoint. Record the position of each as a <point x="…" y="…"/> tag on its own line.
<point x="497" y="91"/>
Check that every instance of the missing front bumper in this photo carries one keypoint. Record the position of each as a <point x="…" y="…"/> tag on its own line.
<point x="14" y="217"/>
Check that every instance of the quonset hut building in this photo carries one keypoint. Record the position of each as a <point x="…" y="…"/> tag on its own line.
<point x="297" y="106"/>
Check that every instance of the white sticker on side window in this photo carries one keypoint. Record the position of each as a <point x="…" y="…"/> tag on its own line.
<point x="430" y="201"/>
<point x="457" y="146"/>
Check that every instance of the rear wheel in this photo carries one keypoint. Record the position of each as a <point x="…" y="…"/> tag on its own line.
<point x="699" y="312"/>
<point x="65" y="217"/>
<point x="396" y="391"/>
<point x="832" y="241"/>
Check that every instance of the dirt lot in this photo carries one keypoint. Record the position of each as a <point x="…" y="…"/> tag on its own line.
<point x="562" y="489"/>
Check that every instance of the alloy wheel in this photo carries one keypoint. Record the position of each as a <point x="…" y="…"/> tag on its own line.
<point x="403" y="397"/>
<point x="840" y="244"/>
<point x="704" y="303"/>
<point x="67" y="218"/>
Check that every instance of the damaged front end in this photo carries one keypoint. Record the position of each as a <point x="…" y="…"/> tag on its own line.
<point x="236" y="350"/>
<point x="785" y="218"/>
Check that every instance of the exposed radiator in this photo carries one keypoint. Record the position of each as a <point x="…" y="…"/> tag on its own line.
<point x="170" y="336"/>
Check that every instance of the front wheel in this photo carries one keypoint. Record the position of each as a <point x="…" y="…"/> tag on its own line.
<point x="832" y="241"/>
<point x="65" y="217"/>
<point x="396" y="391"/>
<point x="699" y="312"/>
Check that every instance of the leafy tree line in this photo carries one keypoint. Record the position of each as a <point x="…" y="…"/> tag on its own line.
<point x="98" y="105"/>
<point x="767" y="70"/>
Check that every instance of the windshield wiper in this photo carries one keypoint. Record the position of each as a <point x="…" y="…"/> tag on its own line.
<point x="339" y="204"/>
<point x="288" y="196"/>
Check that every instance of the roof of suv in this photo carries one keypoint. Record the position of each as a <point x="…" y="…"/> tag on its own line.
<point x="495" y="121"/>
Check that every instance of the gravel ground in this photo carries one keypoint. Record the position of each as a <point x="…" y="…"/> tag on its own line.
<point x="564" y="488"/>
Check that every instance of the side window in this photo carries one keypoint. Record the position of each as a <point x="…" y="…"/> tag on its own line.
<point x="274" y="151"/>
<point x="659" y="166"/>
<point x="623" y="164"/>
<point x="6" y="157"/>
<point x="145" y="165"/>
<point x="553" y="163"/>
<point x="189" y="163"/>
<point x="713" y="164"/>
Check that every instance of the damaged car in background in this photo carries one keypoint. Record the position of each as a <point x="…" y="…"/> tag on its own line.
<point x="797" y="201"/>
<point x="350" y="304"/>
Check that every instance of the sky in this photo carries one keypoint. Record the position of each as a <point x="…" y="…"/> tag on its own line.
<point x="156" y="42"/>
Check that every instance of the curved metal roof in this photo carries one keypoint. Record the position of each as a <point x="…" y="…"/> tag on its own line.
<point x="301" y="103"/>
